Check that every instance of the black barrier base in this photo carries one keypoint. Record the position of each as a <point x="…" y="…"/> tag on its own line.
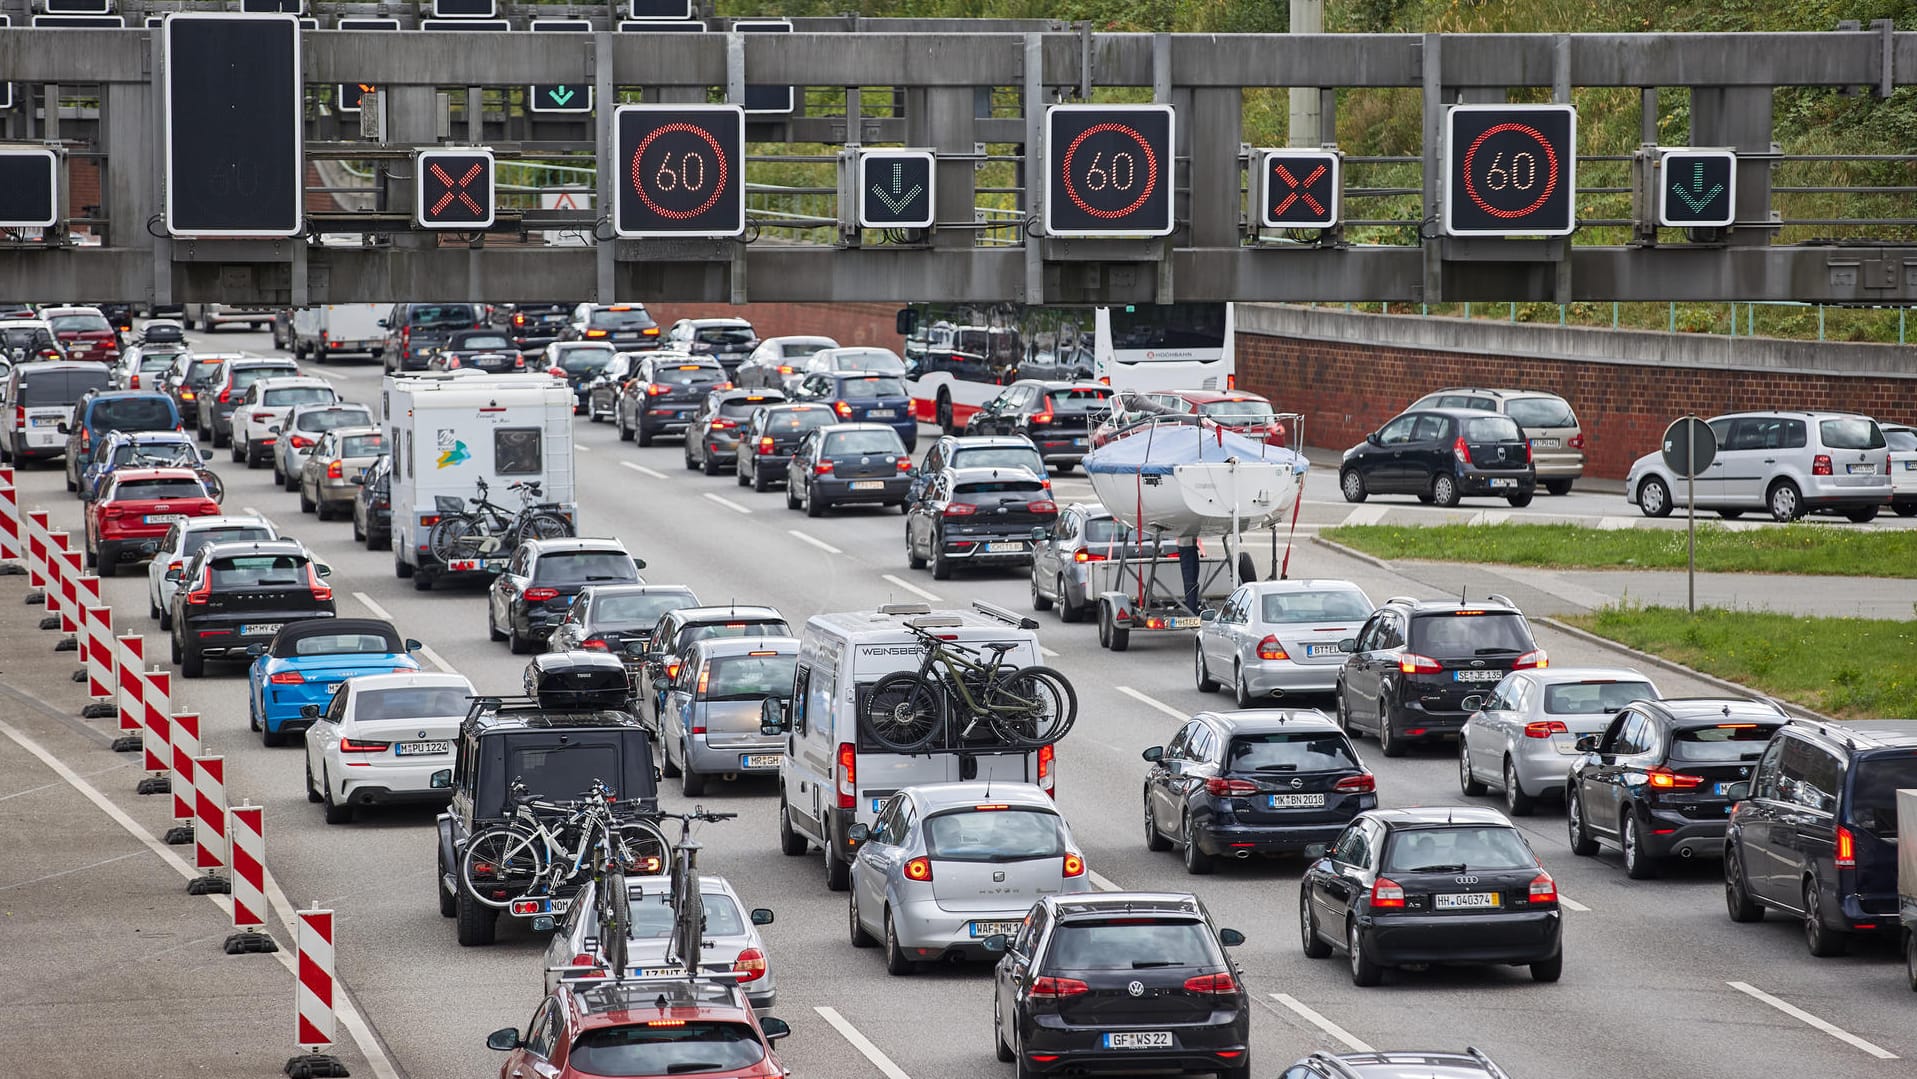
<point x="35" y="599"/>
<point x="127" y="743"/>
<point x="316" y="1066"/>
<point x="51" y="621"/>
<point x="209" y="885"/>
<point x="100" y="710"/>
<point x="12" y="569"/>
<point x="68" y="644"/>
<point x="178" y="836"/>
<point x="155" y="785"/>
<point x="249" y="942"/>
<point x="80" y="675"/>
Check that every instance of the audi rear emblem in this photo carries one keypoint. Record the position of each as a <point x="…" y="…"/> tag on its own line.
<point x="1466" y="880"/>
<point x="1296" y="783"/>
<point x="1136" y="989"/>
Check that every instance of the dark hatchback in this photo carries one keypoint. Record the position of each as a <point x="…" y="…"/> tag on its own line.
<point x="491" y="351"/>
<point x="625" y="326"/>
<point x="104" y="411"/>
<point x="718" y="428"/>
<point x="373" y="505"/>
<point x="1441" y="455"/>
<point x="234" y="595"/>
<point x="1657" y="782"/>
<point x="977" y="517"/>
<point x="1057" y="417"/>
<point x="726" y="340"/>
<point x="228" y="386"/>
<point x="1419" y="668"/>
<point x="1268" y="781"/>
<point x="864" y="397"/>
<point x="531" y="596"/>
<point x="532" y="326"/>
<point x="414" y="331"/>
<point x="662" y="395"/>
<point x="846" y="463"/>
<point x="618" y="619"/>
<point x="770" y="438"/>
<point x="678" y="629"/>
<point x="1447" y="886"/>
<point x="1120" y="982"/>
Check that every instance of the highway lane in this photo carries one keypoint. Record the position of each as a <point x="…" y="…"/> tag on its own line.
<point x="1649" y="958"/>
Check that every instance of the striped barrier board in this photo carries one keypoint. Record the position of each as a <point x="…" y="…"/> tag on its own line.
<point x="209" y="813"/>
<point x="313" y="1009"/>
<point x="61" y="575"/>
<point x="97" y="638"/>
<point x="186" y="746"/>
<point x="129" y="658"/>
<point x="246" y="829"/>
<point x="34" y="537"/>
<point x="157" y="693"/>
<point x="9" y="517"/>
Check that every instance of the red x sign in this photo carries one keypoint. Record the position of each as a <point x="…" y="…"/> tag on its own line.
<point x="455" y="189"/>
<point x="1301" y="189"/>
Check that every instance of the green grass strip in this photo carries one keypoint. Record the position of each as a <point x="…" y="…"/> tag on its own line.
<point x="1800" y="548"/>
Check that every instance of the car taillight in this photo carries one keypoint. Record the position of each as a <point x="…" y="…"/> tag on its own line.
<point x="844" y="410"/>
<point x="19" y="418"/>
<point x="202" y="591"/>
<point x="1461" y="451"/>
<point x="519" y="363"/>
<point x="336" y="470"/>
<point x="904" y="464"/>
<point x="1230" y="788"/>
<point x="1544" y="889"/>
<point x="653" y="389"/>
<point x="584" y="960"/>
<point x="1535" y="658"/>
<point x="1041" y="417"/>
<point x="541" y="595"/>
<point x="1820" y="465"/>
<point x="1087" y="556"/>
<point x="348" y="745"/>
<point x="1545" y="728"/>
<point x="1058" y="987"/>
<point x="133" y="382"/>
<point x="1387" y="894"/>
<point x="1364" y="783"/>
<point x="429" y="520"/>
<point x="1231" y="381"/>
<point x="1269" y="648"/>
<point x="321" y="593"/>
<point x="788" y="369"/>
<point x="750" y="966"/>
<point x="288" y="678"/>
<point x="823" y="468"/>
<point x="173" y="567"/>
<point x="848" y="775"/>
<point x="919" y="869"/>
<point x="262" y="417"/>
<point x="595" y="333"/>
<point x="1220" y="984"/>
<point x="1846" y="849"/>
<point x="1576" y="442"/>
<point x="672" y="670"/>
<point x="765" y="446"/>
<point x="1045" y="758"/>
<point x="1413" y="663"/>
<point x="300" y="442"/>
<point x="1528" y="457"/>
<point x="594" y="644"/>
<point x="649" y="331"/>
<point x="959" y="509"/>
<point x="1664" y="778"/>
<point x="722" y="423"/>
<point x="1043" y="505"/>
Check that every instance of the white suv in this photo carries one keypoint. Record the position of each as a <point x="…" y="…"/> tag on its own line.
<point x="1786" y="462"/>
<point x="257" y="419"/>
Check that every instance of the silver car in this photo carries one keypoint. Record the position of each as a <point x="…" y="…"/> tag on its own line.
<point x="1524" y="740"/>
<point x="1061" y="563"/>
<point x="710" y="723"/>
<point x="1786" y="462"/>
<point x="1273" y="638"/>
<point x="301" y="431"/>
<point x="732" y="942"/>
<point x="948" y="865"/>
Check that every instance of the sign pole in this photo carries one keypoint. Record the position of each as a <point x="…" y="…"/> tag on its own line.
<point x="1689" y="446"/>
<point x="1690" y="526"/>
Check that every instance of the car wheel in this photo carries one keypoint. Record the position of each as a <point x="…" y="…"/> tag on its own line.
<point x="1154" y="839"/>
<point x="791" y="494"/>
<point x="1519" y="501"/>
<point x="323" y="511"/>
<point x="941" y="569"/>
<point x="516" y="644"/>
<point x="1363" y="971"/>
<point x="814" y="505"/>
<point x="359" y="534"/>
<point x="759" y="484"/>
<point x="1467" y="782"/>
<point x="895" y="961"/>
<point x="1004" y="1052"/>
<point x="1519" y="803"/>
<point x="642" y="436"/>
<point x="492" y="626"/>
<point x="1241" y="690"/>
<point x="1342" y="714"/>
<point x="1823" y="941"/>
<point x="738" y="473"/>
<point x="335" y="812"/>
<point x="691" y="465"/>
<point x="912" y="558"/>
<point x="236" y="450"/>
<point x="402" y="568"/>
<point x="1786" y="503"/>
<point x="306" y="504"/>
<point x="1197" y="862"/>
<point x="1352" y="483"/>
<point x="619" y="421"/>
<point x="1861" y="514"/>
<point x="1548" y="970"/>
<point x="838" y="871"/>
<point x="166" y="618"/>
<point x="860" y="938"/>
<point x="1560" y="488"/>
<point x="1654" y="498"/>
<point x="1582" y="844"/>
<point x="1312" y="941"/>
<point x="691" y="784"/>
<point x="1388" y="743"/>
<point x="252" y="714"/>
<point x="1737" y="896"/>
<point x="943" y="415"/>
<point x="192" y="663"/>
<point x="1206" y="683"/>
<point x="1907" y="509"/>
<point x="791" y="843"/>
<point x="312" y="792"/>
<point x="1730" y="515"/>
<point x="707" y="465"/>
<point x="1638" y="862"/>
<point x="1039" y="601"/>
<point x="1067" y="610"/>
<point x="1444" y="489"/>
<point x="477" y="924"/>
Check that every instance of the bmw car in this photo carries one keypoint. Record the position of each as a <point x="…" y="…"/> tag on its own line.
<point x="308" y="659"/>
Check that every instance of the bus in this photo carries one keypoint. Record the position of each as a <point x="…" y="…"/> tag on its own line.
<point x="957" y="356"/>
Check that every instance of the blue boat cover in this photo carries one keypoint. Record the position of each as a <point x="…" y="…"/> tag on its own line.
<point x="1156" y="452"/>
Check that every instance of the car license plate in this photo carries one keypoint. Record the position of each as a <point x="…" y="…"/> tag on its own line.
<point x="758" y="760"/>
<point x="878" y="804"/>
<point x="1004" y="548"/>
<point x="260" y="629"/>
<point x="164" y="518"/>
<point x="1720" y="789"/>
<point x="1185" y="623"/>
<point x="1501" y="483"/>
<point x="1321" y="650"/>
<point x="1296" y="801"/>
<point x="661" y="972"/>
<point x="1466" y="901"/>
<point x="1078" y="442"/>
<point x="1909" y="466"/>
<point x="880" y="414"/>
<point x="46" y="421"/>
<point x="1545" y="443"/>
<point x="989" y="929"/>
<point x="868" y="485"/>
<point x="1138" y="1039"/>
<point x="1863" y="470"/>
<point x="421" y="749"/>
<point x="1478" y="676"/>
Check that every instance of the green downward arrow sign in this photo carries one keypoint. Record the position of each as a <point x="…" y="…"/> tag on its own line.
<point x="560" y="95"/>
<point x="1697" y="198"/>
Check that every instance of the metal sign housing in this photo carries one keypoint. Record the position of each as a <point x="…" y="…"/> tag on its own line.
<point x="680" y="171"/>
<point x="454" y="188"/>
<point x="1300" y="188"/>
<point x="347" y="94"/>
<point x="29" y="187"/>
<point x="560" y="98"/>
<point x="766" y="100"/>
<point x="234" y="124"/>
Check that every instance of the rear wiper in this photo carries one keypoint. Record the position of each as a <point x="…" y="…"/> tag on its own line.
<point x="1494" y="651"/>
<point x="606" y="577"/>
<point x="1276" y="768"/>
<point x="273" y="583"/>
<point x="1454" y="867"/>
<point x="1145" y="964"/>
<point x="692" y="1066"/>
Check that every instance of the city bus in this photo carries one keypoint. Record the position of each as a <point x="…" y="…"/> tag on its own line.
<point x="958" y="355"/>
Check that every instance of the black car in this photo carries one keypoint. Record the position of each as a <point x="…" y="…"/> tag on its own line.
<point x="489" y="350"/>
<point x="618" y="619"/>
<point x="373" y="505"/>
<point x="718" y="428"/>
<point x="238" y="594"/>
<point x="1814" y="832"/>
<point x="532" y="326"/>
<point x="771" y="436"/>
<point x="1441" y="455"/>
<point x="1120" y="982"/>
<point x="1396" y="1064"/>
<point x="193" y="378"/>
<point x="581" y="364"/>
<point x="624" y="326"/>
<point x="1269" y="781"/>
<point x="679" y="628"/>
<point x="1657" y="782"/>
<point x="161" y="331"/>
<point x="977" y="517"/>
<point x="120" y="316"/>
<point x="1446" y="886"/>
<point x="602" y="393"/>
<point x="225" y="387"/>
<point x="727" y="340"/>
<point x="1056" y="417"/>
<point x="531" y="595"/>
<point x="845" y="463"/>
<point x="414" y="331"/>
<point x="662" y="394"/>
<point x="1419" y="668"/>
<point x="577" y="680"/>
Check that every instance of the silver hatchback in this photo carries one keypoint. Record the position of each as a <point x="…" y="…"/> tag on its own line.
<point x="710" y="723"/>
<point x="1273" y="638"/>
<point x="731" y="944"/>
<point x="1786" y="462"/>
<point x="1524" y="740"/>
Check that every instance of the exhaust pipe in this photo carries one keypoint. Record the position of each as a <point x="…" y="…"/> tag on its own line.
<point x="1687" y="852"/>
<point x="1241" y="853"/>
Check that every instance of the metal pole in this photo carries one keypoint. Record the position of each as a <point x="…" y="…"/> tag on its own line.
<point x="1690" y="515"/>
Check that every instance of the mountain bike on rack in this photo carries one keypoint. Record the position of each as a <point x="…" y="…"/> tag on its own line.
<point x="545" y="847"/>
<point x="487" y="529"/>
<point x="905" y="711"/>
<point x="686" y="944"/>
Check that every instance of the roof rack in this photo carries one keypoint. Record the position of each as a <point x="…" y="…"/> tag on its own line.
<point x="936" y="621"/>
<point x="1389" y="600"/>
<point x="1004" y="614"/>
<point x="905" y="608"/>
<point x="1484" y="1062"/>
<point x="1499" y="597"/>
<point x="1330" y="1062"/>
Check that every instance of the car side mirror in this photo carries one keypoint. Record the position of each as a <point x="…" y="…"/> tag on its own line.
<point x="63" y="429"/>
<point x="638" y="563"/>
<point x="1586" y="744"/>
<point x="309" y="711"/>
<point x="995" y="944"/>
<point x="1230" y="938"/>
<point x="87" y="494"/>
<point x="1315" y="851"/>
<point x="273" y="430"/>
<point x="1208" y="615"/>
<point x="762" y="916"/>
<point x="255" y="649"/>
<point x="505" y="1039"/>
<point x="858" y="833"/>
<point x="774" y="1028"/>
<point x="325" y="570"/>
<point x="413" y="645"/>
<point x="1737" y="792"/>
<point x="359" y="481"/>
<point x="1154" y="754"/>
<point x="174" y="575"/>
<point x="1348" y="645"/>
<point x="384" y="325"/>
<point x="1374" y="439"/>
<point x="1039" y="535"/>
<point x="773" y="717"/>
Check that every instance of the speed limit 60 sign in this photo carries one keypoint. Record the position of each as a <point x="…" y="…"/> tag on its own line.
<point x="1510" y="170"/>
<point x="1110" y="170"/>
<point x="681" y="171"/>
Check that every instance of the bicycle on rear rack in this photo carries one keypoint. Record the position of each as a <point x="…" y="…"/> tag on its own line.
<point x="487" y="530"/>
<point x="905" y="711"/>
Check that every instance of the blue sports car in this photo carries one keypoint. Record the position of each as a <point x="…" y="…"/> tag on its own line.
<point x="141" y="449"/>
<point x="308" y="660"/>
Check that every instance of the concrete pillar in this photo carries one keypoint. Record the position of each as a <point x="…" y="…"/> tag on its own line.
<point x="942" y="118"/>
<point x="1739" y="117"/>
<point x="1307" y="127"/>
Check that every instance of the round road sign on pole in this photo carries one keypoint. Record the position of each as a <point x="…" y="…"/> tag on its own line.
<point x="1689" y="446"/>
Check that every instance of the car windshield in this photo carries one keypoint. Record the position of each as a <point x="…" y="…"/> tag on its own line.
<point x="880" y="360"/>
<point x="748" y="678"/>
<point x="132" y="414"/>
<point x="157" y="490"/>
<point x="157" y="453"/>
<point x="1594" y="698"/>
<point x="585" y="361"/>
<point x="202" y="371"/>
<point x="444" y="314"/>
<point x="786" y="421"/>
<point x="1492" y="429"/>
<point x="556" y="769"/>
<point x="1485" y="633"/>
<point x="327" y="419"/>
<point x="474" y="341"/>
<point x="288" y="396"/>
<point x="1901" y="440"/>
<point x="1130" y="942"/>
<point x="1456" y="848"/>
<point x="584" y="567"/>
<point x="686" y="1047"/>
<point x="363" y="446"/>
<point x="1875" y="781"/>
<point x="78" y="324"/>
<point x="990" y="833"/>
<point x="342" y="644"/>
<point x="705" y="631"/>
<point x="1850" y="433"/>
<point x="838" y="442"/>
<point x="724" y="336"/>
<point x="999" y="457"/>
<point x="1315" y="605"/>
<point x="201" y="537"/>
<point x="652" y="915"/>
<point x="43" y="388"/>
<point x="411" y="702"/>
<point x="686" y="374"/>
<point x="639" y="610"/>
<point x="619" y="318"/>
<point x="1237" y="411"/>
<point x="1289" y="751"/>
<point x="870" y="388"/>
<point x="1540" y="412"/>
<point x="250" y="571"/>
<point x="1722" y="741"/>
<point x="156" y="361"/>
<point x="1083" y="400"/>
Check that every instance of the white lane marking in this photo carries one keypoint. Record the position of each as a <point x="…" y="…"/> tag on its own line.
<point x="1803" y="1016"/>
<point x="436" y="659"/>
<point x="910" y="587"/>
<point x="1102" y="882"/>
<point x="643" y="470"/>
<point x="1311" y="1015"/>
<point x="251" y="512"/>
<point x="582" y="448"/>
<point x="356" y="1026"/>
<point x="726" y="502"/>
<point x="1048" y="653"/>
<point x="1152" y="701"/>
<point x="813" y="540"/>
<point x="367" y="602"/>
<point x="1571" y="904"/>
<point x="1365" y="515"/>
<point x="862" y="1043"/>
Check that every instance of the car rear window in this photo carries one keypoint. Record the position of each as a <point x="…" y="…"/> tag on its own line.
<point x="1492" y="429"/>
<point x="1721" y="741"/>
<point x="157" y="453"/>
<point x="201" y="537"/>
<point x="685" y="1046"/>
<point x="1541" y="412"/>
<point x="641" y="609"/>
<point x="248" y="571"/>
<point x="1289" y="751"/>
<point x="288" y="396"/>
<point x="78" y="324"/>
<point x="1901" y="441"/>
<point x="564" y="770"/>
<point x="129" y="490"/>
<point x="747" y="678"/>
<point x="1850" y="433"/>
<point x="608" y="318"/>
<point x="584" y="567"/>
<point x="44" y="388"/>
<point x="968" y="491"/>
<point x="1487" y="633"/>
<point x="1316" y="605"/>
<point x="202" y="371"/>
<point x="1460" y="848"/>
<point x="584" y="361"/>
<point x="483" y="340"/>
<point x="724" y="336"/>
<point x="442" y="314"/>
<point x="868" y="359"/>
<point x="705" y="631"/>
<point x="1237" y="411"/>
<point x="686" y="374"/>
<point x="863" y="442"/>
<point x="652" y="915"/>
<point x="156" y="361"/>
<point x="870" y="388"/>
<point x="411" y="702"/>
<point x="991" y="833"/>
<point x="133" y="414"/>
<point x="740" y="407"/>
<point x="1594" y="698"/>
<point x="798" y="351"/>
<point x="1131" y="942"/>
<point x="1875" y="781"/>
<point x="1107" y="530"/>
<point x="24" y="337"/>
<point x="246" y="376"/>
<point x="999" y="457"/>
<point x="363" y="446"/>
<point x="1086" y="400"/>
<point x="341" y="644"/>
<point x="799" y="419"/>
<point x="327" y="419"/>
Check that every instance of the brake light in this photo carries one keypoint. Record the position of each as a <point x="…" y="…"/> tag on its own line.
<point x="750" y="965"/>
<point x="959" y="509"/>
<point x="1220" y="984"/>
<point x="1230" y="788"/>
<point x="905" y="464"/>
<point x="1045" y="757"/>
<point x="1576" y="442"/>
<point x="1269" y="648"/>
<point x="595" y="333"/>
<point x="1231" y="381"/>
<point x="348" y="745"/>
<point x="1545" y="728"/>
<point x="1846" y="849"/>
<point x="541" y="595"/>
<point x="848" y="775"/>
<point x="594" y="644"/>
<point x="1536" y="658"/>
<point x="653" y="389"/>
<point x="1527" y="451"/>
<point x="1058" y="987"/>
<point x="1663" y="778"/>
<point x="519" y="319"/>
<point x="1041" y="417"/>
<point x="722" y="423"/>
<point x="1413" y="663"/>
<point x="919" y="869"/>
<point x="788" y="369"/>
<point x="823" y="468"/>
<point x="584" y="960"/>
<point x="1087" y="556"/>
<point x="300" y="442"/>
<point x="429" y="520"/>
<point x="649" y="331"/>
<point x="519" y="362"/>
<point x="19" y="418"/>
<point x="1544" y="889"/>
<point x="1820" y="465"/>
<point x="335" y="470"/>
<point x="844" y="410"/>
<point x="1364" y="783"/>
<point x="133" y="383"/>
<point x="201" y="591"/>
<point x="1461" y="451"/>
<point x="1387" y="894"/>
<point x="321" y="592"/>
<point x="226" y="395"/>
<point x="765" y="446"/>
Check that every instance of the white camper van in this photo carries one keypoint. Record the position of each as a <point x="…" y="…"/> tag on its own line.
<point x="337" y="329"/>
<point x="831" y="775"/>
<point x="448" y="434"/>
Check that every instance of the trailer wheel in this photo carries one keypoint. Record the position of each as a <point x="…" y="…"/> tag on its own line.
<point x="1110" y="634"/>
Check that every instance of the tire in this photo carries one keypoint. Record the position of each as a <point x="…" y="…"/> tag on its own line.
<point x="1907" y="509"/>
<point x="448" y="902"/>
<point x="814" y="505"/>
<point x="912" y="559"/>
<point x="1861" y="514"/>
<point x="1737" y="894"/>
<point x="1823" y="941"/>
<point x="495" y="848"/>
<point x="942" y="414"/>
<point x="492" y="627"/>
<point x="1730" y="515"/>
<point x="402" y="568"/>
<point x="1548" y="970"/>
<point x="642" y="436"/>
<point x="1004" y="1053"/>
<point x="1516" y="802"/>
<point x="791" y="498"/>
<point x="1067" y="610"/>
<point x="323" y="511"/>
<point x="1559" y="488"/>
<point x="1363" y="971"/>
<point x="192" y="663"/>
<point x="236" y="450"/>
<point x="307" y="505"/>
<point x="1057" y="704"/>
<point x="1110" y="634"/>
<point x="1240" y="690"/>
<point x="691" y="784"/>
<point x="707" y="465"/>
<point x="1388" y="743"/>
<point x="1039" y="601"/>
<point x="222" y="440"/>
<point x="941" y="568"/>
<point x="759" y="485"/>
<point x="838" y="871"/>
<point x="166" y="618"/>
<point x="447" y="536"/>
<point x="1312" y="942"/>
<point x="335" y="812"/>
<point x="1582" y="844"/>
<point x="1468" y="784"/>
<point x="543" y="525"/>
<point x="903" y="713"/>
<point x="1197" y="863"/>
<point x="1910" y="958"/>
<point x="1654" y="498"/>
<point x="1154" y="839"/>
<point x="615" y="921"/>
<point x="359" y="534"/>
<point x="477" y="925"/>
<point x="1340" y="712"/>
<point x="619" y="421"/>
<point x="896" y="963"/>
<point x="269" y="737"/>
<point x="739" y="476"/>
<point x="1200" y="676"/>
<point x="691" y="465"/>
<point x="517" y="645"/>
<point x="312" y="792"/>
<point x="1638" y="864"/>
<point x="254" y="458"/>
<point x="108" y="559"/>
<point x="860" y="938"/>
<point x="1519" y="501"/>
<point x="1444" y="489"/>
<point x="791" y="843"/>
<point x="1352" y="484"/>
<point x="1785" y="502"/>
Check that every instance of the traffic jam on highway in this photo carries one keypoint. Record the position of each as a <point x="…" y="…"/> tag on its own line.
<point x="676" y="669"/>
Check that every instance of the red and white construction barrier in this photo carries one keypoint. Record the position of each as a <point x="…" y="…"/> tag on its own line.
<point x="156" y="690"/>
<point x="246" y="825"/>
<point x="209" y="825"/>
<point x="60" y="581"/>
<point x="186" y="746"/>
<point x="96" y="644"/>
<point x="86" y="593"/>
<point x="9" y="517"/>
<point x="129" y="663"/>
<point x="313" y="1009"/>
<point x="33" y="538"/>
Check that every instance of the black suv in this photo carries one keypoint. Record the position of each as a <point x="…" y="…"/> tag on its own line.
<point x="1419" y="668"/>
<point x="1057" y="417"/>
<point x="1396" y="1064"/>
<point x="1268" y="781"/>
<point x="1446" y="885"/>
<point x="532" y="326"/>
<point x="1441" y="455"/>
<point x="556" y="756"/>
<point x="978" y="517"/>
<point x="1657" y="782"/>
<point x="237" y="594"/>
<point x="662" y="395"/>
<point x="770" y="438"/>
<point x="1118" y="982"/>
<point x="1814" y="831"/>
<point x="533" y="593"/>
<point x="415" y="330"/>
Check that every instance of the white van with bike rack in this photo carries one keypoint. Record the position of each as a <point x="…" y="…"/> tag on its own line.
<point x="833" y="774"/>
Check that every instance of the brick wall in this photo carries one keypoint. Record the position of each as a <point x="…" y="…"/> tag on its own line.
<point x="846" y="323"/>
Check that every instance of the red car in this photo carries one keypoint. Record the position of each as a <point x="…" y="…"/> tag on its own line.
<point x="132" y="513"/>
<point x="1235" y="410"/>
<point x="84" y="332"/>
<point x="643" y="1027"/>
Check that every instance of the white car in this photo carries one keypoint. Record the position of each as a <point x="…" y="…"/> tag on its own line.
<point x="385" y="739"/>
<point x="1273" y="638"/>
<point x="1523" y="741"/>
<point x="182" y="542"/>
<point x="1903" y="468"/>
<point x="264" y="408"/>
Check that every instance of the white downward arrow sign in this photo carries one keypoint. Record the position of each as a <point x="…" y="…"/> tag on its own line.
<point x="899" y="203"/>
